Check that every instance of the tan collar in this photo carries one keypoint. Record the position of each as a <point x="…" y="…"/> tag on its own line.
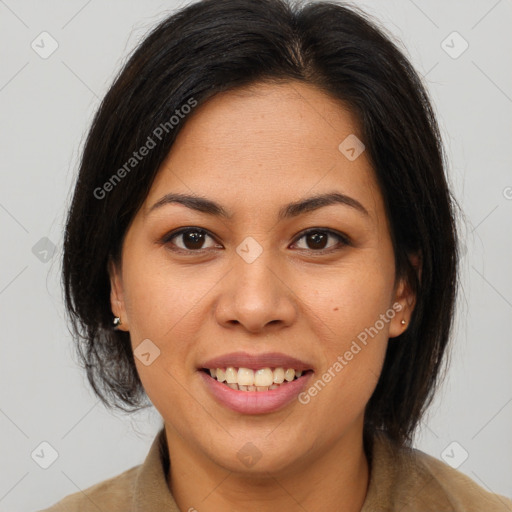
<point x="151" y="489"/>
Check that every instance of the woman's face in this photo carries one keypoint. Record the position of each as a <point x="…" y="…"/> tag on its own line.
<point x="252" y="282"/>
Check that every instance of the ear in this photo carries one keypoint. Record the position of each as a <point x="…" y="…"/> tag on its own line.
<point x="404" y="301"/>
<point x="117" y="302"/>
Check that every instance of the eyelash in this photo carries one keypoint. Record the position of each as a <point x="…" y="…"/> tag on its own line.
<point x="343" y="240"/>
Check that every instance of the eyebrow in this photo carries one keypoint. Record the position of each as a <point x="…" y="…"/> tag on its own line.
<point x="203" y="205"/>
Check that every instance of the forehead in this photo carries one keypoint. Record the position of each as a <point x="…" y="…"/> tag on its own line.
<point x="267" y="144"/>
<point x="263" y="117"/>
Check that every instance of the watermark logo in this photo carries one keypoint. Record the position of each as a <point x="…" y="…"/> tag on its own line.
<point x="44" y="455"/>
<point x="44" y="250"/>
<point x="44" y="45"/>
<point x="249" y="454"/>
<point x="249" y="250"/>
<point x="454" y="45"/>
<point x="146" y="352"/>
<point x="351" y="147"/>
<point x="454" y="454"/>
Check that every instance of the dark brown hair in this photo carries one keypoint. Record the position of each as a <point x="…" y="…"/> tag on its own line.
<point x="216" y="45"/>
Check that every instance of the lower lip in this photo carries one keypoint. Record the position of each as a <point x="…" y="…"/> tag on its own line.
<point x="255" y="402"/>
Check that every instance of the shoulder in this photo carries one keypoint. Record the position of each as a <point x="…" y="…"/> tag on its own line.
<point x="416" y="481"/>
<point x="114" y="494"/>
<point x="455" y="488"/>
<point x="140" y="488"/>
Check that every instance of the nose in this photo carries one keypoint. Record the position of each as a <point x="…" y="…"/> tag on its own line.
<point x="256" y="296"/>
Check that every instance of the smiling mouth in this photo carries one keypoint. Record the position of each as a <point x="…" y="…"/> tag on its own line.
<point x="247" y="379"/>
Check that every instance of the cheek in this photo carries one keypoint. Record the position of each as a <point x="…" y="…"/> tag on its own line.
<point x="352" y="316"/>
<point x="163" y="301"/>
<point x="164" y="308"/>
<point x="349" y="300"/>
<point x="338" y="395"/>
<point x="166" y="305"/>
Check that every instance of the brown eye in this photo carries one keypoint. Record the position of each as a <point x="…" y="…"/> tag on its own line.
<point x="317" y="239"/>
<point x="189" y="239"/>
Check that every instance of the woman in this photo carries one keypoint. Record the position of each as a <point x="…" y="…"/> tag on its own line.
<point x="262" y="243"/>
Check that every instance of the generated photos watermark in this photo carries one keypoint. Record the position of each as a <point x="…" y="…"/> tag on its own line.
<point x="343" y="360"/>
<point x="139" y="155"/>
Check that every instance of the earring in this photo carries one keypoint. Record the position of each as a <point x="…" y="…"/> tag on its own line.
<point x="116" y="322"/>
<point x="403" y="322"/>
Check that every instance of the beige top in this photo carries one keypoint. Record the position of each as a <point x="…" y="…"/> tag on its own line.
<point x="405" y="480"/>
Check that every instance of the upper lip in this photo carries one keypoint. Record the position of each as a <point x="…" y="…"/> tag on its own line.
<point x="256" y="361"/>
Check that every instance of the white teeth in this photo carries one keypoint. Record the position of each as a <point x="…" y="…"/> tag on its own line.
<point x="246" y="379"/>
<point x="278" y="376"/>
<point x="289" y="374"/>
<point x="263" y="377"/>
<point x="231" y="375"/>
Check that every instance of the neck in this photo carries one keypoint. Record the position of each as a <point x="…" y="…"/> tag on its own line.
<point x="336" y="479"/>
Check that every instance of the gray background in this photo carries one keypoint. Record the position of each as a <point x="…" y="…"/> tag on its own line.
<point x="46" y="107"/>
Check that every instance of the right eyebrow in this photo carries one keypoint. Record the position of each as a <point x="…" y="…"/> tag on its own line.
<point x="200" y="204"/>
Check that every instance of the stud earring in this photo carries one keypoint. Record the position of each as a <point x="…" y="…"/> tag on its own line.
<point x="116" y="322"/>
<point x="403" y="322"/>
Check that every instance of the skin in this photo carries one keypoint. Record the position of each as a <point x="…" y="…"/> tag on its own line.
<point x="254" y="150"/>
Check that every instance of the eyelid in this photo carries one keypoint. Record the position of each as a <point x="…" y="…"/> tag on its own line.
<point x="166" y="239"/>
<point x="343" y="239"/>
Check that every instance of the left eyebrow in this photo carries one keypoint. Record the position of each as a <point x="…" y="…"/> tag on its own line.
<point x="290" y="210"/>
<point x="319" y="201"/>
